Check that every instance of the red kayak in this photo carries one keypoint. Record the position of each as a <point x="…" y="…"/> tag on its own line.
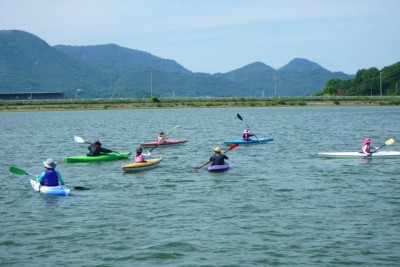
<point x="166" y="143"/>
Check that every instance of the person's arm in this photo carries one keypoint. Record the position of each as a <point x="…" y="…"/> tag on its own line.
<point x="40" y="177"/>
<point x="60" y="180"/>
<point x="105" y="150"/>
<point x="364" y="150"/>
<point x="225" y="157"/>
<point x="209" y="160"/>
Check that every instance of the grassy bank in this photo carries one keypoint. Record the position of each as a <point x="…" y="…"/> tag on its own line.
<point x="35" y="105"/>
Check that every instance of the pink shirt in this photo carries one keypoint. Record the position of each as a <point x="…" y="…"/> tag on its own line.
<point x="160" y="139"/>
<point x="139" y="158"/>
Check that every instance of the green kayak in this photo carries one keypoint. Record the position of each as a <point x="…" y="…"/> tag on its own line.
<point x="102" y="157"/>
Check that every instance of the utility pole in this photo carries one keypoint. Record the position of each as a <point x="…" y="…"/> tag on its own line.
<point x="275" y="80"/>
<point x="76" y="94"/>
<point x="151" y="84"/>
<point x="30" y="89"/>
<point x="380" y="82"/>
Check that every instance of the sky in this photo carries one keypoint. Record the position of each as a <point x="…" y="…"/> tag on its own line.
<point x="218" y="36"/>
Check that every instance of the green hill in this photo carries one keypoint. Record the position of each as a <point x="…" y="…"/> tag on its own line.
<point x="27" y="63"/>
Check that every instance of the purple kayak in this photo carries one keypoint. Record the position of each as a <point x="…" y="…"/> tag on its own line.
<point x="218" y="168"/>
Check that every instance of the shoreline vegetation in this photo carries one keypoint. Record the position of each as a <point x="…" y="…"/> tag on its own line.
<point x="223" y="102"/>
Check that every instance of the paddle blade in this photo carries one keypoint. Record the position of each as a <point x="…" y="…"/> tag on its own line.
<point x="389" y="142"/>
<point x="79" y="139"/>
<point x="232" y="147"/>
<point x="240" y="117"/>
<point x="78" y="187"/>
<point x="197" y="168"/>
<point x="18" y="171"/>
<point x="176" y="126"/>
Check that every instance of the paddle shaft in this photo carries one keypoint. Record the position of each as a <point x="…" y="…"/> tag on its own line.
<point x="388" y="143"/>
<point x="19" y="171"/>
<point x="176" y="126"/>
<point x="229" y="149"/>
<point x="248" y="127"/>
<point x="80" y="140"/>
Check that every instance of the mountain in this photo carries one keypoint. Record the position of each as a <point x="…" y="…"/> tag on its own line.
<point x="300" y="73"/>
<point x="113" y="55"/>
<point x="301" y="64"/>
<point x="28" y="63"/>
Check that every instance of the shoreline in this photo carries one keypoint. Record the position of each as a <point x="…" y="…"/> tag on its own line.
<point x="58" y="105"/>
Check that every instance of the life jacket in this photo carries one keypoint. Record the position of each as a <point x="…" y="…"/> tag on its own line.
<point x="368" y="148"/>
<point x="139" y="158"/>
<point x="94" y="151"/>
<point x="50" y="178"/>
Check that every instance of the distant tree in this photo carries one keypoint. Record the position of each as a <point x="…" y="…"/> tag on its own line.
<point x="331" y="87"/>
<point x="366" y="82"/>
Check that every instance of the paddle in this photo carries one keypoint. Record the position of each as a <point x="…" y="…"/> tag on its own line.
<point x="240" y="118"/>
<point x="148" y="153"/>
<point x="19" y="171"/>
<point x="80" y="140"/>
<point x="387" y="143"/>
<point x="229" y="149"/>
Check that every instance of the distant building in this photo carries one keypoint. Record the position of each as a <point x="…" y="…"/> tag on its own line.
<point x="31" y="96"/>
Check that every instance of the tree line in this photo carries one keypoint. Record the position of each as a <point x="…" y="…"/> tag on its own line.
<point x="367" y="82"/>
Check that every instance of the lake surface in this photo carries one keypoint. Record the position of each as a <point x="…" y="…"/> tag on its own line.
<point x="278" y="205"/>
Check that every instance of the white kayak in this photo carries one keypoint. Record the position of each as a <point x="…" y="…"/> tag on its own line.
<point x="52" y="190"/>
<point x="379" y="154"/>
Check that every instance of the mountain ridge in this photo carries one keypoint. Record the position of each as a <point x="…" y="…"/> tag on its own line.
<point x="113" y="71"/>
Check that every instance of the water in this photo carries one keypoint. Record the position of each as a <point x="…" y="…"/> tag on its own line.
<point x="278" y="205"/>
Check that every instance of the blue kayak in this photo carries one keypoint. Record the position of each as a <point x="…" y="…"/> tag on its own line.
<point x="218" y="168"/>
<point x="250" y="141"/>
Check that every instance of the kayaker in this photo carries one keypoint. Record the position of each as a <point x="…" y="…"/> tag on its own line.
<point x="366" y="147"/>
<point x="139" y="157"/>
<point x="160" y="138"/>
<point x="218" y="158"/>
<point x="247" y="134"/>
<point x="96" y="149"/>
<point x="50" y="177"/>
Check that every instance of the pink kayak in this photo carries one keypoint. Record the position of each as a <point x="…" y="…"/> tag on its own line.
<point x="166" y="143"/>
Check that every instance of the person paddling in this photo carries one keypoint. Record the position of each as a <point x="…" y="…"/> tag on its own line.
<point x="160" y="138"/>
<point x="366" y="147"/>
<point x="246" y="134"/>
<point x="218" y="158"/>
<point x="139" y="156"/>
<point x="96" y="149"/>
<point x="50" y="177"/>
